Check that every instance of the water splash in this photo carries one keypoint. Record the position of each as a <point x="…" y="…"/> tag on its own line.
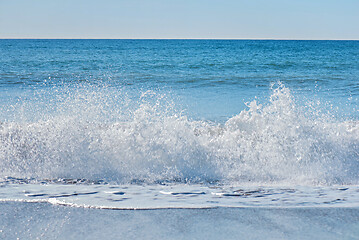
<point x="102" y="134"/>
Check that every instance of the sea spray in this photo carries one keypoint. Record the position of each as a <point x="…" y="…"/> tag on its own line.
<point x="103" y="134"/>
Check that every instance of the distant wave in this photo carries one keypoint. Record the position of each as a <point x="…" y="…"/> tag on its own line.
<point x="99" y="136"/>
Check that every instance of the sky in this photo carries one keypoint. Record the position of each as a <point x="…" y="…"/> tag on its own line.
<point x="213" y="19"/>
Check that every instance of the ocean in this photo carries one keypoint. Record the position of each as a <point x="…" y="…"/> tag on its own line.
<point x="179" y="139"/>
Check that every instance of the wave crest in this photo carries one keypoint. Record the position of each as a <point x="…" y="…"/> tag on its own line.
<point x="146" y="140"/>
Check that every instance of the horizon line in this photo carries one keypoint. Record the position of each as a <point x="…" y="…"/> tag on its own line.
<point x="277" y="39"/>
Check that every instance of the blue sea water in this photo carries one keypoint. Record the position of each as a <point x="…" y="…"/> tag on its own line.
<point x="211" y="78"/>
<point x="197" y="124"/>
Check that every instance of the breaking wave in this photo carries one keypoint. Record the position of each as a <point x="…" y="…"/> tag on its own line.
<point x="106" y="135"/>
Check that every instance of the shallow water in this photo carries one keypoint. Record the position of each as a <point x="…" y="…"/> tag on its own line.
<point x="45" y="221"/>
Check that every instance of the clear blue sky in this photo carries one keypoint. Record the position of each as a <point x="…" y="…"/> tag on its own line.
<point x="278" y="19"/>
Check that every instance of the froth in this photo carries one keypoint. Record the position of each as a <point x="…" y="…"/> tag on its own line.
<point x="110" y="136"/>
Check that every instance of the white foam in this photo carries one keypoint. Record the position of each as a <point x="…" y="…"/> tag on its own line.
<point x="101" y="136"/>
